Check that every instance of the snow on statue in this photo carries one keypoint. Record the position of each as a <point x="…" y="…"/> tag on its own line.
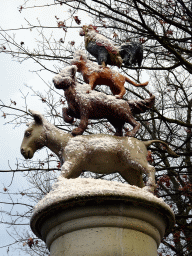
<point x="107" y="53"/>
<point x="94" y="75"/>
<point x="97" y="105"/>
<point x="101" y="153"/>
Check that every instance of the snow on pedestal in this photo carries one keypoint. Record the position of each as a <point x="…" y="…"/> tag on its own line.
<point x="85" y="216"/>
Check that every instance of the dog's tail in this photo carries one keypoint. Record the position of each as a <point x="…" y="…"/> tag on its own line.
<point x="141" y="106"/>
<point x="135" y="84"/>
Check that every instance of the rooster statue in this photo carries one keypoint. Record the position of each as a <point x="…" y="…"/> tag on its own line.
<point x="107" y="53"/>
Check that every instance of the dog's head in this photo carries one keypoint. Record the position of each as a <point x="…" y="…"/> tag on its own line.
<point x="65" y="78"/>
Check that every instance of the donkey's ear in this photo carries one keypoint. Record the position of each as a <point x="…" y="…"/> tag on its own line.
<point x="73" y="71"/>
<point x="37" y="116"/>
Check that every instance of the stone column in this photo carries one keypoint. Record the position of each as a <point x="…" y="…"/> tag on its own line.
<point x="89" y="217"/>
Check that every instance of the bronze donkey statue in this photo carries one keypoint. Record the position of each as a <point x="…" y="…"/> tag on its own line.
<point x="97" y="105"/>
<point x="97" y="153"/>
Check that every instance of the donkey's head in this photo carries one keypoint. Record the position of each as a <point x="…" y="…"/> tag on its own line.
<point x="65" y="78"/>
<point x="35" y="135"/>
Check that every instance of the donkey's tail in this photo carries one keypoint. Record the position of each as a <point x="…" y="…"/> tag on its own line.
<point x="169" y="150"/>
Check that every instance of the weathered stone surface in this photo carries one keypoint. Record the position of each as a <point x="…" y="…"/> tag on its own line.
<point x="98" y="217"/>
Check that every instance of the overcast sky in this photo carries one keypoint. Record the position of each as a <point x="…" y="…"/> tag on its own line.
<point x="14" y="76"/>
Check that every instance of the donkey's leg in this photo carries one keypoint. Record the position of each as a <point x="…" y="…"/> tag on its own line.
<point x="151" y="177"/>
<point x="133" y="177"/>
<point x="71" y="169"/>
<point x="150" y="171"/>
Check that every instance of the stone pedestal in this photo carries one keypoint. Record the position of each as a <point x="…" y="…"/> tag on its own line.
<point x="88" y="217"/>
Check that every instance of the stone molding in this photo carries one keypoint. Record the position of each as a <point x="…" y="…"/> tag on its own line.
<point x="138" y="218"/>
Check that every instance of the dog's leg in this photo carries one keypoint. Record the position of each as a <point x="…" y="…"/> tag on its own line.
<point x="118" y="125"/>
<point x="82" y="126"/>
<point x="135" y="124"/>
<point x="66" y="118"/>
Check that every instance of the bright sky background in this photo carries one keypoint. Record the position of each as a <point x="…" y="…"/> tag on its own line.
<point x="14" y="76"/>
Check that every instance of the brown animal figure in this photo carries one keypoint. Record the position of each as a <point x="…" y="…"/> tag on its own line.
<point x="97" y="153"/>
<point x="97" y="105"/>
<point x="94" y="75"/>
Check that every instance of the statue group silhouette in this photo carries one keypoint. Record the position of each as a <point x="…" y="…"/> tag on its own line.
<point x="84" y="103"/>
<point x="99" y="153"/>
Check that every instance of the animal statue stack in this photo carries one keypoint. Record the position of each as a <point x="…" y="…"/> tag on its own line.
<point x="85" y="104"/>
<point x="97" y="153"/>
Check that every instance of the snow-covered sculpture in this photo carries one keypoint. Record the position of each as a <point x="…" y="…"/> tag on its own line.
<point x="101" y="153"/>
<point x="97" y="105"/>
<point x="106" y="52"/>
<point x="94" y="75"/>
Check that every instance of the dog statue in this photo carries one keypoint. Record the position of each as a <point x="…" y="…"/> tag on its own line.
<point x="97" y="105"/>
